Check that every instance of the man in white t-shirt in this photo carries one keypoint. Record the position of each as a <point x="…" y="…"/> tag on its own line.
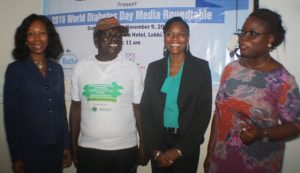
<point x="104" y="115"/>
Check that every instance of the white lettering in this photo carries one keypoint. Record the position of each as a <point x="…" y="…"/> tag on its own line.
<point x="126" y="16"/>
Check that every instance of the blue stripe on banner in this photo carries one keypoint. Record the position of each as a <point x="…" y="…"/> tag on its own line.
<point x="229" y="5"/>
<point x="141" y="15"/>
<point x="202" y="3"/>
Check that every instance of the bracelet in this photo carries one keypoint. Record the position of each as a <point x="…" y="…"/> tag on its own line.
<point x="157" y="155"/>
<point x="265" y="137"/>
<point x="179" y="152"/>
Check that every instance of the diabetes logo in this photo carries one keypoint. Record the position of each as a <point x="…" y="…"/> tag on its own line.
<point x="68" y="59"/>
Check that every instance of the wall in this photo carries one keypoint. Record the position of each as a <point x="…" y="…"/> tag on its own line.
<point x="288" y="55"/>
<point x="13" y="11"/>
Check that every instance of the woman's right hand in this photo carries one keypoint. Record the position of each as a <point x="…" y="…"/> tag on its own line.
<point x="163" y="160"/>
<point x="211" y="142"/>
<point x="18" y="166"/>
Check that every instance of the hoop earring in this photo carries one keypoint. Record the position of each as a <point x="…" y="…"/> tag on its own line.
<point x="187" y="49"/>
<point x="165" y="52"/>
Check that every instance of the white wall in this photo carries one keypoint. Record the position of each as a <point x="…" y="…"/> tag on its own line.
<point x="288" y="55"/>
<point x="12" y="13"/>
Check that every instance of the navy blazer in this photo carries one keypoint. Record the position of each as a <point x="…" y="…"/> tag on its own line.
<point x="34" y="106"/>
<point x="194" y="103"/>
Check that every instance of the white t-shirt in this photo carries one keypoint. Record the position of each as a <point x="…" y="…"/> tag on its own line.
<point x="107" y="95"/>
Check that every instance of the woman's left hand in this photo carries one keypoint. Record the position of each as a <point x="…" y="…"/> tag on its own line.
<point x="67" y="161"/>
<point x="249" y="134"/>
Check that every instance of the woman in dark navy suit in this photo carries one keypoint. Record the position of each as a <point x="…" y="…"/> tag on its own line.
<point x="176" y="104"/>
<point x="34" y="105"/>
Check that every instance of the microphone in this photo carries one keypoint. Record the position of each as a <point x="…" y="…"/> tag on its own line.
<point x="232" y="45"/>
<point x="231" y="54"/>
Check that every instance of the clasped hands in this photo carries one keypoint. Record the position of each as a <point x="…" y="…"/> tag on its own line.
<point x="167" y="158"/>
<point x="249" y="134"/>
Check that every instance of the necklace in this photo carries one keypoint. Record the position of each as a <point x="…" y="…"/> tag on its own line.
<point x="39" y="64"/>
<point x="259" y="65"/>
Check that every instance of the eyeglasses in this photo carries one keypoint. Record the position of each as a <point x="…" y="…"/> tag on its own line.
<point x="249" y="34"/>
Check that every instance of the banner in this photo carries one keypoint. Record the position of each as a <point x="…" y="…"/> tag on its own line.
<point x="211" y="22"/>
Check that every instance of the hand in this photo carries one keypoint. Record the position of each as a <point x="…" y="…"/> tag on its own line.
<point x="67" y="158"/>
<point x="167" y="158"/>
<point x="74" y="155"/>
<point x="249" y="134"/>
<point x="172" y="154"/>
<point x="143" y="159"/>
<point x="207" y="161"/>
<point x="164" y="161"/>
<point x="18" y="166"/>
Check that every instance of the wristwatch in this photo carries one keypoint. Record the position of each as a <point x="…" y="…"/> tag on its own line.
<point x="265" y="137"/>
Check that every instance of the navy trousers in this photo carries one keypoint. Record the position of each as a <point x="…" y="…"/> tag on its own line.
<point x="43" y="159"/>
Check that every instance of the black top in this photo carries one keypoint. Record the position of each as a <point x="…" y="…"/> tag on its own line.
<point x="194" y="103"/>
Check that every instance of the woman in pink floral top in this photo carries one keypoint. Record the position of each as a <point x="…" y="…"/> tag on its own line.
<point x="257" y="105"/>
